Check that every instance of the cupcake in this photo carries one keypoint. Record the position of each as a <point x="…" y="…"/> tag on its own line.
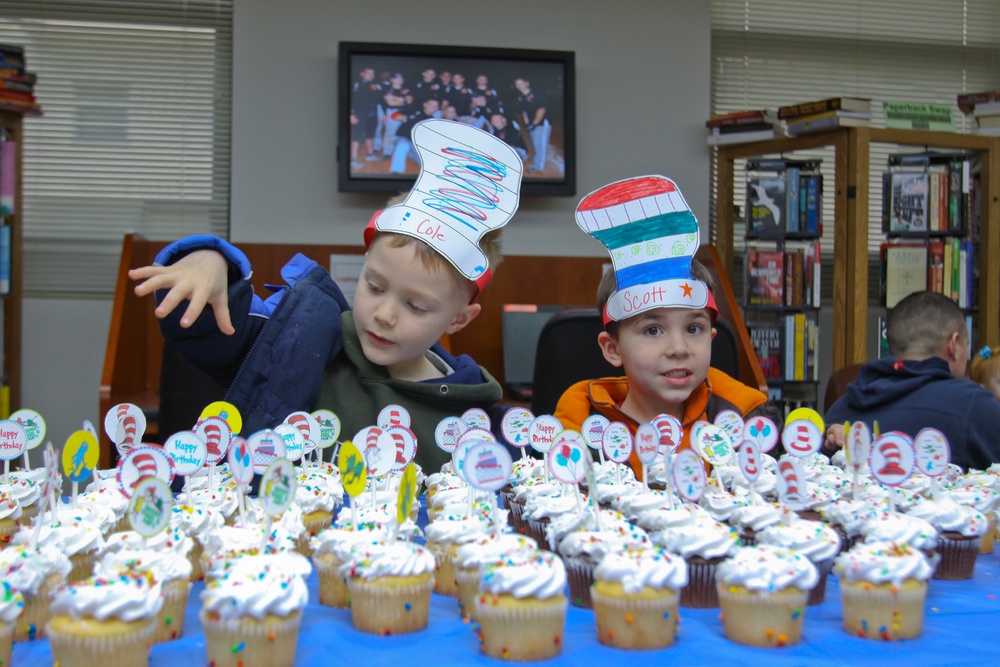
<point x="762" y="593"/>
<point x="233" y="542"/>
<point x="903" y="528"/>
<point x="753" y="517"/>
<point x="74" y="535"/>
<point x="11" y="606"/>
<point x="251" y="614"/>
<point x="883" y="586"/>
<point x="35" y="574"/>
<point x="444" y="536"/>
<point x="105" y="621"/>
<point x="328" y="550"/>
<point x="635" y="598"/>
<point x="112" y="501"/>
<point x="470" y="557"/>
<point x="703" y="547"/>
<point x="582" y="550"/>
<point x="813" y="539"/>
<point x="27" y="494"/>
<point x="390" y="585"/>
<point x="10" y="513"/>
<point x="521" y="607"/>
<point x="317" y="495"/>
<point x="197" y="523"/>
<point x="846" y="516"/>
<point x="960" y="534"/>
<point x="168" y="563"/>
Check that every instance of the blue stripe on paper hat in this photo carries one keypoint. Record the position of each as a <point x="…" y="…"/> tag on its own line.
<point x="652" y="236"/>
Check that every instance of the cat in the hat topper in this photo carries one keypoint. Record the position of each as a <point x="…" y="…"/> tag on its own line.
<point x="652" y="236"/>
<point x="469" y="185"/>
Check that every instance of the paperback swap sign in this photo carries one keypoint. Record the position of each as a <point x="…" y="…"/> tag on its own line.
<point x="918" y="116"/>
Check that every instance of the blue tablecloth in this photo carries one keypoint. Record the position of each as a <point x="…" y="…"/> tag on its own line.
<point x="960" y="628"/>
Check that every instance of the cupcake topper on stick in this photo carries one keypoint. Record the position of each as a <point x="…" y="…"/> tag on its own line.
<point x="448" y="431"/>
<point x="858" y="445"/>
<point x="671" y="432"/>
<point x="405" y="496"/>
<point x="125" y="424"/>
<point x="715" y="446"/>
<point x="265" y="447"/>
<point x="393" y="415"/>
<point x="218" y="437"/>
<point x="688" y="473"/>
<point x="141" y="462"/>
<point x="227" y="411"/>
<point x="329" y="429"/>
<point x="514" y="428"/>
<point x="802" y="437"/>
<point x="647" y="447"/>
<point x="295" y="443"/>
<point x="541" y="432"/>
<point x="189" y="453"/>
<point x="240" y="459"/>
<point x="933" y="454"/>
<point x="652" y="235"/>
<point x="565" y="460"/>
<point x="353" y="475"/>
<point x="277" y="491"/>
<point x="593" y="429"/>
<point x="405" y="442"/>
<point x="791" y="481"/>
<point x="488" y="467"/>
<point x="748" y="459"/>
<point x="477" y="418"/>
<point x="892" y="459"/>
<point x="34" y="430"/>
<point x="379" y="451"/>
<point x="13" y="443"/>
<point x="80" y="457"/>
<point x="731" y="422"/>
<point x="617" y="446"/>
<point x="149" y="509"/>
<point x="49" y="486"/>
<point x="309" y="427"/>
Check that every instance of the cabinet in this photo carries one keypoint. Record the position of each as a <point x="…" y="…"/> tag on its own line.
<point x="850" y="224"/>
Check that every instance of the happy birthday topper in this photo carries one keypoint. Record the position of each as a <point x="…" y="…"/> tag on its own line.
<point x="469" y="185"/>
<point x="652" y="236"/>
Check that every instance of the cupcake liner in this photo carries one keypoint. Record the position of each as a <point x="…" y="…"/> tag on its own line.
<point x="444" y="572"/>
<point x="521" y="629"/>
<point x="121" y="526"/>
<point x="315" y="522"/>
<point x="700" y="592"/>
<point x="88" y="642"/>
<point x="170" y="620"/>
<point x="536" y="529"/>
<point x="818" y="592"/>
<point x="516" y="516"/>
<point x="390" y="607"/>
<point x="958" y="556"/>
<point x="468" y="587"/>
<point x="581" y="577"/>
<point x="332" y="585"/>
<point x="7" y="529"/>
<point x="83" y="566"/>
<point x="883" y="611"/>
<point x="748" y="537"/>
<point x="27" y="515"/>
<point x="989" y="539"/>
<point x="636" y="623"/>
<point x="251" y="642"/>
<point x="6" y="643"/>
<point x="762" y="618"/>
<point x="35" y="615"/>
<point x="194" y="556"/>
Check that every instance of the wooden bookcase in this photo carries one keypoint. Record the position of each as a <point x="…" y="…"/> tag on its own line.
<point x="850" y="222"/>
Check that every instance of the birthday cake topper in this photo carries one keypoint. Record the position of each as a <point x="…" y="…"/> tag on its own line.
<point x="652" y="236"/>
<point x="469" y="185"/>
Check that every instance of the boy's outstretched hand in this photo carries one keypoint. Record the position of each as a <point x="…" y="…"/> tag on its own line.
<point x="201" y="277"/>
<point x="834" y="437"/>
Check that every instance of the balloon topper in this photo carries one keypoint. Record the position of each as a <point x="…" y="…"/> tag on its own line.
<point x="567" y="458"/>
<point x="762" y="431"/>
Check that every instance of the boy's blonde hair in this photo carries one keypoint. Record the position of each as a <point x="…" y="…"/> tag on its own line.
<point x="609" y="284"/>
<point x="985" y="364"/>
<point x="430" y="258"/>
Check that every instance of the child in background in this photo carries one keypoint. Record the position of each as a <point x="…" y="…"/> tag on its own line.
<point x="303" y="348"/>
<point x="659" y="313"/>
<point x="985" y="369"/>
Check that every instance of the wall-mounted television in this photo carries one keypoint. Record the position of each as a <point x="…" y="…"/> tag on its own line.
<point x="524" y="96"/>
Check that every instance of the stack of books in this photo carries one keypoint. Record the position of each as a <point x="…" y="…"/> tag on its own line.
<point x="17" y="85"/>
<point x="985" y="108"/>
<point x="741" y="127"/>
<point x="828" y="114"/>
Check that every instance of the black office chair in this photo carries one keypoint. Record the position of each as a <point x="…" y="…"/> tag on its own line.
<point x="184" y="392"/>
<point x="568" y="352"/>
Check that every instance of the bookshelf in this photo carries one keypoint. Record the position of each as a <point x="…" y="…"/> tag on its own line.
<point x="11" y="123"/>
<point x="851" y="195"/>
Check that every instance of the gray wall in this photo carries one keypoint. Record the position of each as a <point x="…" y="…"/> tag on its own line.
<point x="643" y="71"/>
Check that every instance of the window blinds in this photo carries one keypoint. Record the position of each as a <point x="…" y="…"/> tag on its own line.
<point x="135" y="136"/>
<point x="769" y="53"/>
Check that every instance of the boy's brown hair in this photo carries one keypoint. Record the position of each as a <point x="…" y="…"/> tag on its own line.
<point x="609" y="284"/>
<point x="921" y="324"/>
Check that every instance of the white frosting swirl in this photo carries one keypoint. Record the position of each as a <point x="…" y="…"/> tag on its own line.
<point x="196" y="522"/>
<point x="220" y="498"/>
<point x="339" y="540"/>
<point x="368" y="560"/>
<point x="258" y="586"/>
<point x="473" y="555"/>
<point x="318" y="492"/>
<point x="27" y="570"/>
<point x="882" y="562"/>
<point x="25" y="492"/>
<point x="11" y="604"/>
<point x="171" y="539"/>
<point x="591" y="546"/>
<point x="9" y="507"/>
<point x="71" y="537"/>
<point x="707" y="539"/>
<point x="763" y="567"/>
<point x="947" y="515"/>
<point x="445" y="532"/>
<point x="128" y="595"/>
<point x="164" y="564"/>
<point x="902" y="528"/>
<point x="813" y="539"/>
<point x="641" y="568"/>
<point x="537" y="574"/>
<point x="109" y="497"/>
<point x="756" y="517"/>
<point x="849" y="514"/>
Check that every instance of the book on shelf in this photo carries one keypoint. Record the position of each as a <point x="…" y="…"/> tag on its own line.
<point x="883" y="337"/>
<point x="8" y="176"/>
<point x="739" y="118"/>
<point x="908" y="202"/>
<point x="986" y="122"/>
<point x="799" y="352"/>
<point x="986" y="110"/>
<point x="766" y="341"/>
<point x="905" y="270"/>
<point x="796" y="127"/>
<point x="837" y="113"/>
<point x="765" y="203"/>
<point x="967" y="102"/>
<point x="765" y="278"/>
<point x="740" y="137"/>
<point x="4" y="260"/>
<point x="819" y="106"/>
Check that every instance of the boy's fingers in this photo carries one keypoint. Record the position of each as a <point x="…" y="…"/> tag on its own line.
<point x="196" y="305"/>
<point x="221" y="308"/>
<point x="170" y="301"/>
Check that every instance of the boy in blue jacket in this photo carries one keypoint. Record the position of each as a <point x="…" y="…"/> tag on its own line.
<point x="923" y="385"/>
<point x="304" y="349"/>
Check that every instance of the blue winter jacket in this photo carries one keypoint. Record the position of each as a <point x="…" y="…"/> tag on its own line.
<point x="910" y="395"/>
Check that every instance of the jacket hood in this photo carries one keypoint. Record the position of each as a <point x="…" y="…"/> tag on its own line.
<point x="885" y="381"/>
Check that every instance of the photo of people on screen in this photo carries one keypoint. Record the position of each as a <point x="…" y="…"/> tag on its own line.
<point x="521" y="103"/>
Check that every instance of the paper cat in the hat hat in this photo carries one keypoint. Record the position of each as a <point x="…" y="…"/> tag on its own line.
<point x="652" y="236"/>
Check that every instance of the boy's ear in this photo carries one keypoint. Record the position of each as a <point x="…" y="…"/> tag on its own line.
<point x="464" y="316"/>
<point x="609" y="346"/>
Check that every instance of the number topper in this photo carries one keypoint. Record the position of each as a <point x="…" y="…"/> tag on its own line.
<point x="187" y="451"/>
<point x="329" y="428"/>
<point x="226" y="411"/>
<point x="295" y="444"/>
<point x="671" y="432"/>
<point x="543" y="431"/>
<point x="393" y="415"/>
<point x="240" y="459"/>
<point x="892" y="458"/>
<point x="149" y="508"/>
<point x="448" y="431"/>
<point x="277" y="486"/>
<point x="487" y="466"/>
<point x="731" y="422"/>
<point x="353" y="471"/>
<point x="647" y="442"/>
<point x="34" y="426"/>
<point x="567" y="458"/>
<point x="593" y="429"/>
<point x="617" y="442"/>
<point x="217" y="435"/>
<point x="933" y="452"/>
<point x="265" y="447"/>
<point x="748" y="458"/>
<point x="143" y="461"/>
<point x="802" y="437"/>
<point x="514" y="426"/>
<point x="13" y="440"/>
<point x="477" y="418"/>
<point x="762" y="431"/>
<point x="80" y="456"/>
<point x="688" y="475"/>
<point x="791" y="480"/>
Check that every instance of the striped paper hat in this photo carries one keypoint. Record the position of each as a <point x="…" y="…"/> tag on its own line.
<point x="652" y="236"/>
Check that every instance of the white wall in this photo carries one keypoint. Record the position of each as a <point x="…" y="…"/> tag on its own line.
<point x="643" y="71"/>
